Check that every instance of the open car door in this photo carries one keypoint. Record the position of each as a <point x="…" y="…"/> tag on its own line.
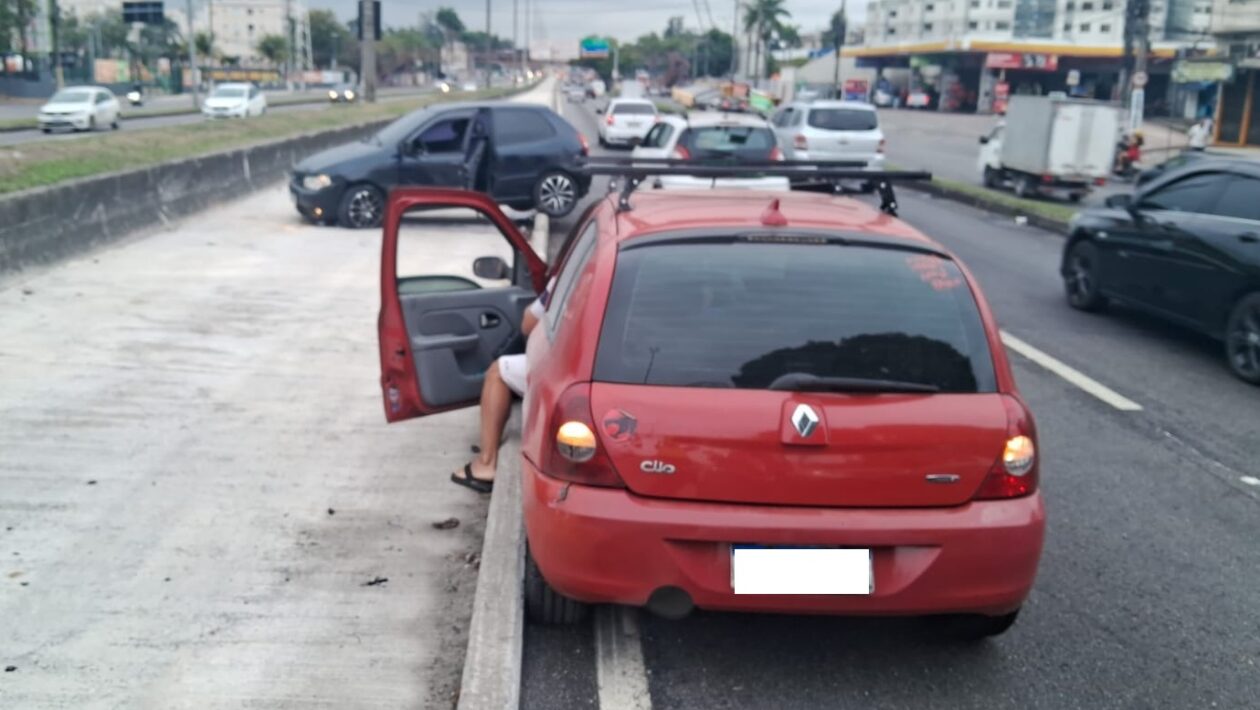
<point x="438" y="334"/>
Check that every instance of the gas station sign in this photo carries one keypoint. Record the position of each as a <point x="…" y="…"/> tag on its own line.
<point x="1032" y="61"/>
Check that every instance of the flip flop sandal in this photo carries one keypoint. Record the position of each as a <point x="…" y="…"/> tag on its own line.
<point x="466" y="479"/>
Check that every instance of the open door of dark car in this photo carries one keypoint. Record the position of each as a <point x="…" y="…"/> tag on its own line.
<point x="438" y="334"/>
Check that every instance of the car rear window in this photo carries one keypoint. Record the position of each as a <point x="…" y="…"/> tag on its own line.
<point x="739" y="314"/>
<point x="633" y="109"/>
<point x="748" y="142"/>
<point x="843" y="119"/>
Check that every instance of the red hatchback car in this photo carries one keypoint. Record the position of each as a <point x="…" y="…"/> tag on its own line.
<point x="784" y="402"/>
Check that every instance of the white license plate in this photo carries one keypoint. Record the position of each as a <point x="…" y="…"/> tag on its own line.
<point x="801" y="570"/>
<point x="633" y="124"/>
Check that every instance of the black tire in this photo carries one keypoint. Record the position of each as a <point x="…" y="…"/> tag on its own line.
<point x="971" y="628"/>
<point x="1075" y="196"/>
<point x="1242" y="339"/>
<point x="1024" y="187"/>
<point x="114" y="126"/>
<point x="544" y="605"/>
<point x="46" y="130"/>
<point x="362" y="207"/>
<point x="992" y="178"/>
<point x="555" y="193"/>
<point x="1080" y="277"/>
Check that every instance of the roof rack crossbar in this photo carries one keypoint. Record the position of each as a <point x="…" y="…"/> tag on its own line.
<point x="811" y="174"/>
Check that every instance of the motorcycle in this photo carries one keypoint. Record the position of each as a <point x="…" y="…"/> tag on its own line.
<point x="135" y="97"/>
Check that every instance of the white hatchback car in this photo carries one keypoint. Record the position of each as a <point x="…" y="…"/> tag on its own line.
<point x="80" y="108"/>
<point x="831" y="130"/>
<point x="234" y="101"/>
<point x="712" y="137"/>
<point x="626" y="121"/>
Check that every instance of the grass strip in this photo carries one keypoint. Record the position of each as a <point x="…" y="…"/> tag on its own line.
<point x="1048" y="210"/>
<point x="43" y="163"/>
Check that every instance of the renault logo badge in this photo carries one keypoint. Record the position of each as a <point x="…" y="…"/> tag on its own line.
<point x="805" y="419"/>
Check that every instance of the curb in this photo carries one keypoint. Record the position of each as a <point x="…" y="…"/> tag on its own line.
<point x="496" y="633"/>
<point x="937" y="190"/>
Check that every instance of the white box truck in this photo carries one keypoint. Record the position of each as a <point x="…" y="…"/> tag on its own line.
<point x="1051" y="145"/>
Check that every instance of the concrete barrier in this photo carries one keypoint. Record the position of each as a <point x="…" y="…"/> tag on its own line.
<point x="45" y="224"/>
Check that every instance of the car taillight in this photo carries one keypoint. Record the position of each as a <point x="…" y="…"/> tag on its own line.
<point x="1014" y="473"/>
<point x="1047" y="178"/>
<point x="573" y="452"/>
<point x="776" y="154"/>
<point x="799" y="142"/>
<point x="882" y="142"/>
<point x="1100" y="181"/>
<point x="609" y="119"/>
<point x="656" y="119"/>
<point x="681" y="153"/>
<point x="586" y="147"/>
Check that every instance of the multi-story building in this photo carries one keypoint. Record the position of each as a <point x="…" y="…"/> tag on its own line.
<point x="1236" y="27"/>
<point x="974" y="53"/>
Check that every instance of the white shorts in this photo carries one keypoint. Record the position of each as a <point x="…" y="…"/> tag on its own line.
<point x="512" y="370"/>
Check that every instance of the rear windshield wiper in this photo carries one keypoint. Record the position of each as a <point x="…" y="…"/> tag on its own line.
<point x="804" y="382"/>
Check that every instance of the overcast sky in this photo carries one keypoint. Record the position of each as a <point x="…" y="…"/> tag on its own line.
<point x="573" y="19"/>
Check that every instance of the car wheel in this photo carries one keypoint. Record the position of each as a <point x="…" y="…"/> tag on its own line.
<point x="545" y="605"/>
<point x="1242" y="339"/>
<point x="1075" y="197"/>
<point x="46" y="130"/>
<point x="362" y="207"/>
<point x="114" y="125"/>
<point x="992" y="179"/>
<point x="1080" y="277"/>
<point x="976" y="627"/>
<point x="1024" y="187"/>
<point x="556" y="194"/>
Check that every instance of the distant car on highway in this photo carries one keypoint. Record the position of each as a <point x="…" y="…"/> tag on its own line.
<point x="626" y="121"/>
<point x="1185" y="247"/>
<point x="234" y="100"/>
<point x="919" y="99"/>
<point x="719" y="138"/>
<point x="343" y="94"/>
<point x="575" y="93"/>
<point x="741" y="401"/>
<point x="80" y="108"/>
<point x="523" y="155"/>
<point x="831" y="130"/>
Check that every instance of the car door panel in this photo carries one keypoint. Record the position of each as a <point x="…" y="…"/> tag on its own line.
<point x="1219" y="256"/>
<point x="523" y="146"/>
<point x="435" y="168"/>
<point x="437" y="335"/>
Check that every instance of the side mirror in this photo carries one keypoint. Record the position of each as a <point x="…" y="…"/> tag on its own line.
<point x="599" y="110"/>
<point x="490" y="267"/>
<point x="1121" y="201"/>
<point x="984" y="140"/>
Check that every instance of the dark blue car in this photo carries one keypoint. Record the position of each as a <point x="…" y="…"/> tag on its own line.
<point x="522" y="155"/>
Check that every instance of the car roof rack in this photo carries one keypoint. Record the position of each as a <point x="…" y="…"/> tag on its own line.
<point x="811" y="175"/>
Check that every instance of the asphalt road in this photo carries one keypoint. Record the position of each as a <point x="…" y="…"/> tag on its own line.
<point x="1146" y="592"/>
<point x="141" y="122"/>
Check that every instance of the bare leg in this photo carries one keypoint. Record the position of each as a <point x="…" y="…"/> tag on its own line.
<point x="496" y="404"/>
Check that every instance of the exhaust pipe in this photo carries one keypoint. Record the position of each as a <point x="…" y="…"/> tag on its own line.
<point x="670" y="603"/>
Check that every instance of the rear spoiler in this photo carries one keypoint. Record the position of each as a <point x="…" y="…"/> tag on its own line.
<point x="814" y="175"/>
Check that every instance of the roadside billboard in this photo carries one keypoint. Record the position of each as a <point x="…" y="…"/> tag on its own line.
<point x="594" y="48"/>
<point x="1033" y="61"/>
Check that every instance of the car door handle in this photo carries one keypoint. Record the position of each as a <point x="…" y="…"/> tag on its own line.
<point x="1249" y="237"/>
<point x="490" y="320"/>
<point x="445" y="341"/>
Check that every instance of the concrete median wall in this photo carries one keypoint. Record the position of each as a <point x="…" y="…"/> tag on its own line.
<point x="46" y="224"/>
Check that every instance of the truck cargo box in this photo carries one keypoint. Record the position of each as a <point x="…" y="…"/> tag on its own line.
<point x="1067" y="139"/>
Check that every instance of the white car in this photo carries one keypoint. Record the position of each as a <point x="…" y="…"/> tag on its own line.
<point x="234" y="101"/>
<point x="626" y="121"/>
<point x="80" y="108"/>
<point x="723" y="138"/>
<point x="831" y="130"/>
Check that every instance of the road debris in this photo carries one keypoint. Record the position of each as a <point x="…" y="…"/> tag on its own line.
<point x="447" y="524"/>
<point x="375" y="582"/>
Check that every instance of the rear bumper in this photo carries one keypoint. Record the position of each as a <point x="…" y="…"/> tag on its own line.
<point x="625" y="136"/>
<point x="874" y="161"/>
<point x="610" y="546"/>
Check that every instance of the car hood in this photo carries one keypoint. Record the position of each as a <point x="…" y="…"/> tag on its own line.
<point x="335" y="160"/>
<point x="224" y="103"/>
<point x="65" y="108"/>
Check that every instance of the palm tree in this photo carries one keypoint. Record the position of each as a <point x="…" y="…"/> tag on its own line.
<point x="762" y="19"/>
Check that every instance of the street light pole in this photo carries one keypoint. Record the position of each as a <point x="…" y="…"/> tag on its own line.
<point x="486" y="58"/>
<point x="192" y="58"/>
<point x="367" y="50"/>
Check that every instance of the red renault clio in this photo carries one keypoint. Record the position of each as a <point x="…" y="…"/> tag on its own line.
<point x="764" y="402"/>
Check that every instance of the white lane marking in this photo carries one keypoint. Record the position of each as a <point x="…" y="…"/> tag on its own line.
<point x="1071" y="374"/>
<point x="1250" y="480"/>
<point x="619" y="669"/>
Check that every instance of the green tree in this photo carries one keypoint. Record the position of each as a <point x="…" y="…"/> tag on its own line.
<point x="15" y="18"/>
<point x="273" y="48"/>
<point x="331" y="39"/>
<point x="449" y="21"/>
<point x="205" y="45"/>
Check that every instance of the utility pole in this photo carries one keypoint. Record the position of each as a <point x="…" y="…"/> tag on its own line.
<point x="1137" y="44"/>
<point x="367" y="50"/>
<point x="839" y="26"/>
<point x="193" y="79"/>
<point x="735" y="42"/>
<point x="54" y="12"/>
<point x="486" y="58"/>
<point x="516" y="39"/>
